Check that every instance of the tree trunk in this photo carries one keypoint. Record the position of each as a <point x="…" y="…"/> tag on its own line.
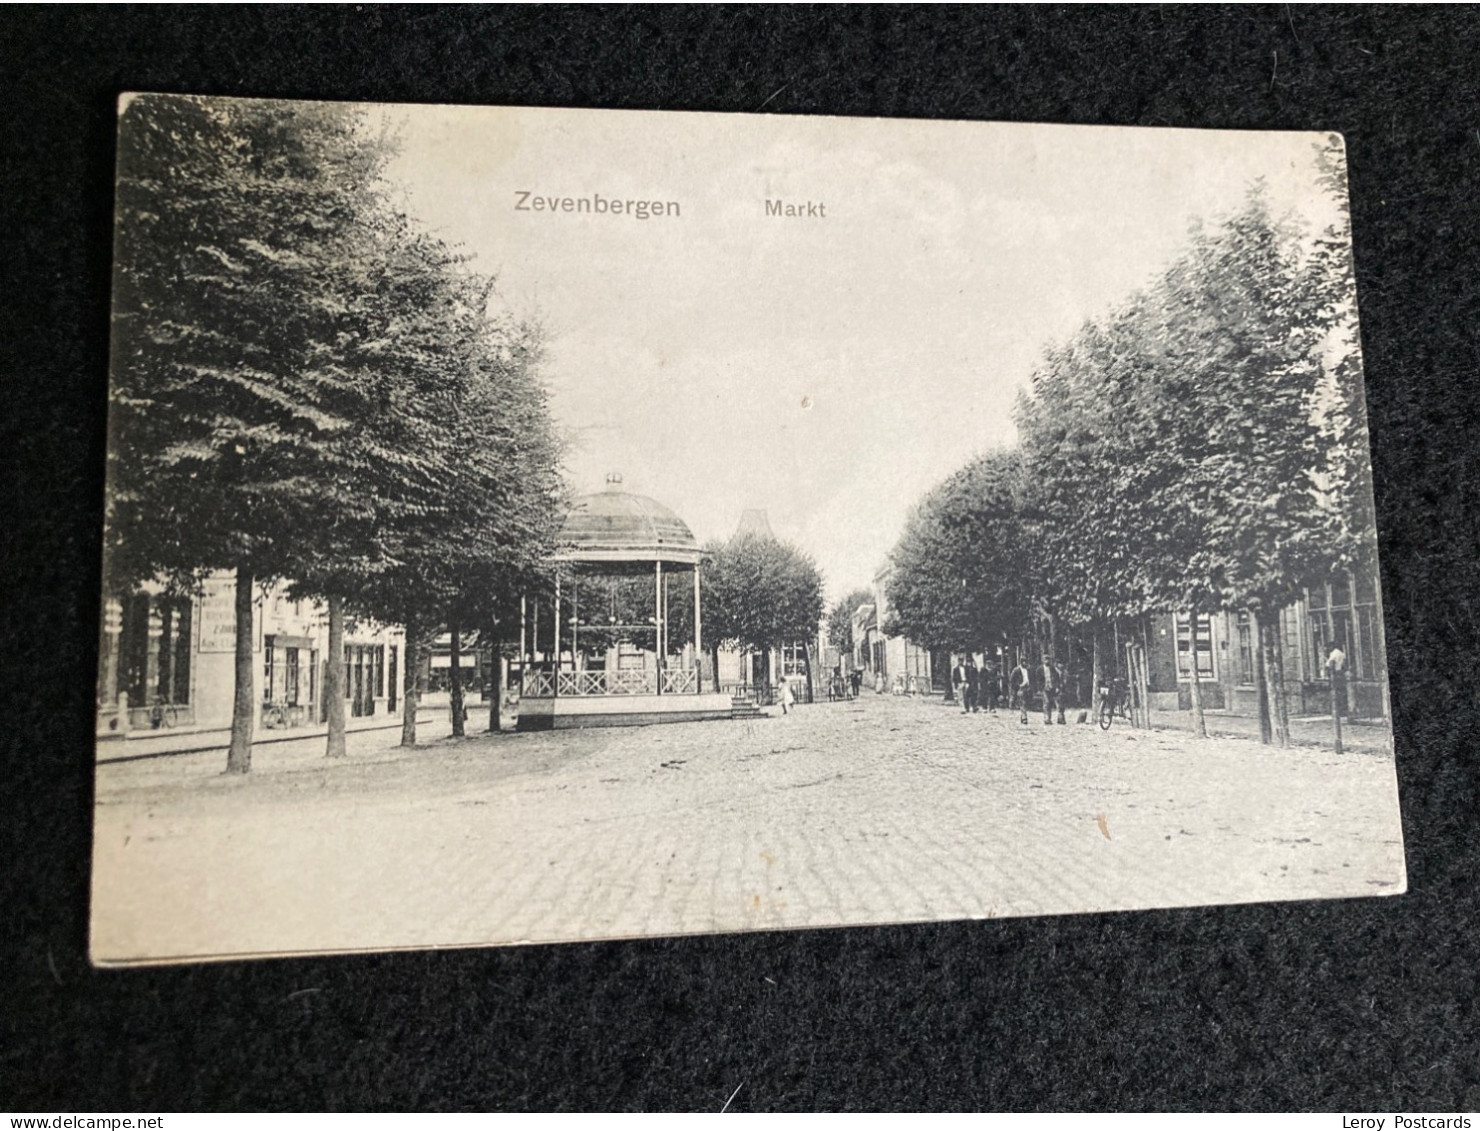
<point x="714" y="658"/>
<point x="811" y="663"/>
<point x="1274" y="678"/>
<point x="1199" y="724"/>
<point x="455" y="681"/>
<point x="410" y="683"/>
<point x="1144" y="676"/>
<point x="244" y="703"/>
<point x="1095" y="671"/>
<point x="334" y="679"/>
<point x="495" y="683"/>
<point x="1261" y="689"/>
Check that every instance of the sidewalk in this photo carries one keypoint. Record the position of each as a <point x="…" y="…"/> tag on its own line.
<point x="194" y="740"/>
<point x="1366" y="737"/>
<point x="1306" y="730"/>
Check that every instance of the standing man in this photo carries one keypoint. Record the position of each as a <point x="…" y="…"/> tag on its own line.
<point x="990" y="678"/>
<point x="958" y="684"/>
<point x="1336" y="669"/>
<point x="1053" y="691"/>
<point x="1018" y="682"/>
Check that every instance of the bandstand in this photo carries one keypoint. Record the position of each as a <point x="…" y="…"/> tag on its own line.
<point x="616" y="534"/>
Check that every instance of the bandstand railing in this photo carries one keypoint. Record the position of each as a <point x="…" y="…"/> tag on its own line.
<point x="536" y="684"/>
<point x="680" y="681"/>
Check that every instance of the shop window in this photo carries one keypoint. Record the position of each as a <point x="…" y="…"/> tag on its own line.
<point x="1367" y="663"/>
<point x="395" y="683"/>
<point x="794" y="659"/>
<point x="1341" y="593"/>
<point x="269" y="671"/>
<point x="1343" y="613"/>
<point x="179" y="691"/>
<point x="1206" y="669"/>
<point x="1245" y="649"/>
<point x="1366" y="588"/>
<point x="290" y="676"/>
<point x="154" y="649"/>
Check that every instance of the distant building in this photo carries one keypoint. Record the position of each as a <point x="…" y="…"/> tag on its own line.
<point x="754" y="523"/>
<point x="899" y="659"/>
<point x="902" y="663"/>
<point x="437" y="661"/>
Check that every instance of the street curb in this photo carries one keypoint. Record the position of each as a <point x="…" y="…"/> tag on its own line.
<point x="255" y="742"/>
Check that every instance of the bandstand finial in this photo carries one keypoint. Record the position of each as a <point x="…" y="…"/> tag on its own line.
<point x="613" y="479"/>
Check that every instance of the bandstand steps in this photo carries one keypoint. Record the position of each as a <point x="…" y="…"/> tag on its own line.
<point x="744" y="707"/>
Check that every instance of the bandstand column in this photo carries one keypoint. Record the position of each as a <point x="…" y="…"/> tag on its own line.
<point x="699" y="634"/>
<point x="556" y="669"/>
<point x="658" y="622"/>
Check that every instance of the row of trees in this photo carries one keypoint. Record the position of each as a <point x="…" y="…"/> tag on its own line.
<point x="1200" y="448"/>
<point x="307" y="385"/>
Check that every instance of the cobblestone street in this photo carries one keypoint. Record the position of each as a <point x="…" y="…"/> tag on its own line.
<point x="882" y="810"/>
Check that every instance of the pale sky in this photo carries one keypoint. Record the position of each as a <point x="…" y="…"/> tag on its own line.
<point x="828" y="370"/>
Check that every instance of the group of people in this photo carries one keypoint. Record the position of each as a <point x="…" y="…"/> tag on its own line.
<point x="982" y="688"/>
<point x="844" y="686"/>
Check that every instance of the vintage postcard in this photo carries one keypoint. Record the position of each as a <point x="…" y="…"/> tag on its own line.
<point x="543" y="525"/>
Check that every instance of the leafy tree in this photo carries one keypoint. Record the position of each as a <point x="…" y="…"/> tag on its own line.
<point x="1346" y="478"/>
<point x="1243" y="525"/>
<point x="1084" y="466"/>
<point x="307" y="386"/>
<point x="1175" y="447"/>
<point x="760" y="593"/>
<point x="960" y="578"/>
<point x="234" y="220"/>
<point x="479" y="519"/>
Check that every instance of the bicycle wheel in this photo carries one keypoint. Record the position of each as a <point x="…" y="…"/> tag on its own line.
<point x="1107" y="714"/>
<point x="171" y="715"/>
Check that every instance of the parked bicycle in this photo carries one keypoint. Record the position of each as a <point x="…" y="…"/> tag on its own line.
<point x="1115" y="702"/>
<point x="163" y="713"/>
<point x="275" y="715"/>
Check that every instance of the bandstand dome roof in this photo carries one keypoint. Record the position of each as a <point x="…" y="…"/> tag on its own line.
<point x="615" y="525"/>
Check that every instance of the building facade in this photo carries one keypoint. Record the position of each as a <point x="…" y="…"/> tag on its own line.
<point x="899" y="664"/>
<point x="1343" y="611"/>
<point x="168" y="659"/>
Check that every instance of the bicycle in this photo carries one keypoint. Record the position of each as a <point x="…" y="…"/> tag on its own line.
<point x="1115" y="701"/>
<point x="274" y="715"/>
<point x="163" y="713"/>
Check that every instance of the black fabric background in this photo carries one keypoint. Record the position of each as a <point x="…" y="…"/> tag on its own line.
<point x="1346" y="1005"/>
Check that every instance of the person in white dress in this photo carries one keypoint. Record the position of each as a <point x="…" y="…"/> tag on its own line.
<point x="784" y="695"/>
